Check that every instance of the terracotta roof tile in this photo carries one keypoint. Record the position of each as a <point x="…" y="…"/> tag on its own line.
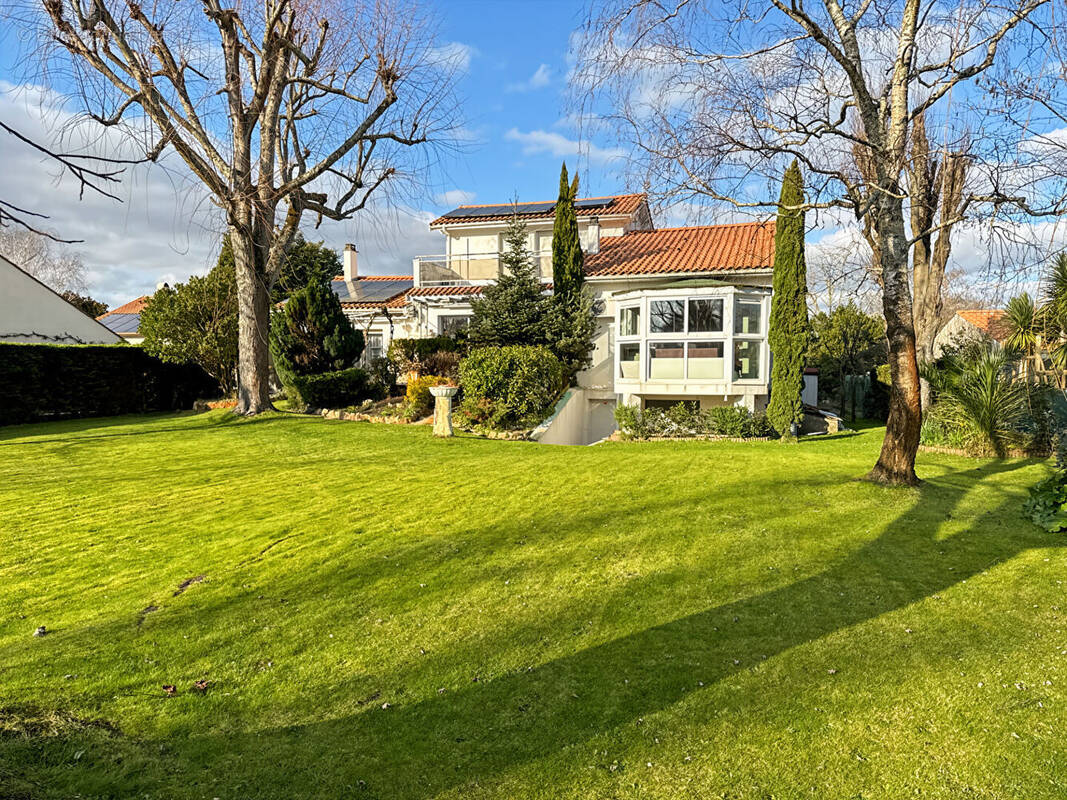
<point x="708" y="248"/>
<point x="987" y="320"/>
<point x="620" y="204"/>
<point x="132" y="307"/>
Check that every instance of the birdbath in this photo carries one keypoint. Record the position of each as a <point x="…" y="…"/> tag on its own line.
<point x="442" y="409"/>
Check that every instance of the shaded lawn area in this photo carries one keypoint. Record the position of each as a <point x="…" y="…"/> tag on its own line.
<point x="386" y="615"/>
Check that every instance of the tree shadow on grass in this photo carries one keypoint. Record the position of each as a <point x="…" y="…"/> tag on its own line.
<point x="480" y="731"/>
<point x="93" y="428"/>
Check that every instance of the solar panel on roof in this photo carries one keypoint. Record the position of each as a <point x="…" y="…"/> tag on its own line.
<point x="369" y="291"/>
<point x="597" y="203"/>
<point x="500" y="210"/>
<point x="122" y="323"/>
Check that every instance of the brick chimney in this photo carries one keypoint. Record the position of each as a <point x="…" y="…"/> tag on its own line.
<point x="351" y="266"/>
<point x="594" y="236"/>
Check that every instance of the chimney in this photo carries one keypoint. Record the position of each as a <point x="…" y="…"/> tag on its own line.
<point x="594" y="236"/>
<point x="351" y="267"/>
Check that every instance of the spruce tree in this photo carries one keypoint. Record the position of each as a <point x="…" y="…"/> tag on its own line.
<point x="789" y="333"/>
<point x="513" y="310"/>
<point x="567" y="258"/>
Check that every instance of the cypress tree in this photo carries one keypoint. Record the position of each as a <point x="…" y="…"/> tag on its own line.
<point x="789" y="333"/>
<point x="567" y="257"/>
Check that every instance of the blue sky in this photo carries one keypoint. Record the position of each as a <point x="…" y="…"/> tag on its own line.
<point x="514" y="69"/>
<point x="513" y="92"/>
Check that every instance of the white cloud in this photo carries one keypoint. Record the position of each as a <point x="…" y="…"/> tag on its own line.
<point x="539" y="80"/>
<point x="166" y="228"/>
<point x="455" y="197"/>
<point x="455" y="55"/>
<point x="539" y="142"/>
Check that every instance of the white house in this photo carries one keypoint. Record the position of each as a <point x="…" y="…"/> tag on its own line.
<point x="971" y="323"/>
<point x="684" y="309"/>
<point x="32" y="312"/>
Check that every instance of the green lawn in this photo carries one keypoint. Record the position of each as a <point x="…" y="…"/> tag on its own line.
<point x="386" y="615"/>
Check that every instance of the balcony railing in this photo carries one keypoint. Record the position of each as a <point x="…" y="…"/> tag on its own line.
<point x="471" y="268"/>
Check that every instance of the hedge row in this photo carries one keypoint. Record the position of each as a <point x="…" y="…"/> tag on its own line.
<point x="47" y="382"/>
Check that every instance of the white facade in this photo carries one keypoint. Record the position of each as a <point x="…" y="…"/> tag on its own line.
<point x="31" y="312"/>
<point x="691" y="335"/>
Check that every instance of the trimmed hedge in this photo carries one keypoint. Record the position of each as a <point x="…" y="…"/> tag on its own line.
<point x="338" y="389"/>
<point x="47" y="382"/>
<point x="509" y="387"/>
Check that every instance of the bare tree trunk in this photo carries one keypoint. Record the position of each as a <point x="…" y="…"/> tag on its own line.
<point x="253" y="317"/>
<point x="896" y="462"/>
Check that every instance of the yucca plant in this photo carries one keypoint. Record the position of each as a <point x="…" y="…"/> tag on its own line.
<point x="1024" y="324"/>
<point x="977" y="396"/>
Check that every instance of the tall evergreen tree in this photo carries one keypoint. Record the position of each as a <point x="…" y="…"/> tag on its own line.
<point x="513" y="310"/>
<point x="567" y="258"/>
<point x="789" y="334"/>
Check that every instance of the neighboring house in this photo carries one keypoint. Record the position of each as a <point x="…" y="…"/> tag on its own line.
<point x="972" y="323"/>
<point x="684" y="309"/>
<point x="126" y="320"/>
<point x="32" y="312"/>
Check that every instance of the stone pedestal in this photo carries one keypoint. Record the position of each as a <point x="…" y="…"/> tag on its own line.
<point x="442" y="409"/>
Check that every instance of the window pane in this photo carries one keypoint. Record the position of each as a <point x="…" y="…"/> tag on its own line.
<point x="705" y="315"/>
<point x="746" y="359"/>
<point x="665" y="361"/>
<point x="747" y="316"/>
<point x="630" y="361"/>
<point x="706" y="361"/>
<point x="373" y="350"/>
<point x="666" y="316"/>
<point x="630" y="322"/>
<point x="451" y="324"/>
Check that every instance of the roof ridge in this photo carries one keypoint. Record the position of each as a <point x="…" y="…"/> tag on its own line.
<point x="700" y="227"/>
<point x="376" y="278"/>
<point x="577" y="200"/>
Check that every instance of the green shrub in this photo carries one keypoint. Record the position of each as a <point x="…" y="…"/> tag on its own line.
<point x="337" y="389"/>
<point x="687" y="420"/>
<point x="1047" y="504"/>
<point x="411" y="355"/>
<point x="311" y="335"/>
<point x="509" y="387"/>
<point x="418" y="402"/>
<point x="48" y="381"/>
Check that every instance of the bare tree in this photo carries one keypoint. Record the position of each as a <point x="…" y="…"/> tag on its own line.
<point x="91" y="172"/>
<point x="935" y="193"/>
<point x="714" y="107"/>
<point x="39" y="255"/>
<point x="279" y="109"/>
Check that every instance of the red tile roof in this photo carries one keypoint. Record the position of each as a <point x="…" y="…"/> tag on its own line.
<point x="707" y="248"/>
<point x="436" y="291"/>
<point x="620" y="204"/>
<point x="132" y="307"/>
<point x="987" y="320"/>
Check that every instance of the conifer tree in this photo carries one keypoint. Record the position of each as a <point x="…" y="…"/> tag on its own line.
<point x="567" y="258"/>
<point x="513" y="310"/>
<point x="789" y="333"/>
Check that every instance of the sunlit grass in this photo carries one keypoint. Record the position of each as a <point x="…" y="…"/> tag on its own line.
<point x="383" y="614"/>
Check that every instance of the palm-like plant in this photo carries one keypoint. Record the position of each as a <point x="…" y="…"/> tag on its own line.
<point x="1054" y="312"/>
<point x="975" y="393"/>
<point x="1023" y="321"/>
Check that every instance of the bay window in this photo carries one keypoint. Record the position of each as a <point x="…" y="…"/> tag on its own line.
<point x="746" y="359"/>
<point x="666" y="361"/>
<point x="666" y="316"/>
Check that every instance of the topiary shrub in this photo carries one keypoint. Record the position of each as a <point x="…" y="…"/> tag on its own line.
<point x="418" y="402"/>
<point x="336" y="389"/>
<point x="311" y="340"/>
<point x="509" y="387"/>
